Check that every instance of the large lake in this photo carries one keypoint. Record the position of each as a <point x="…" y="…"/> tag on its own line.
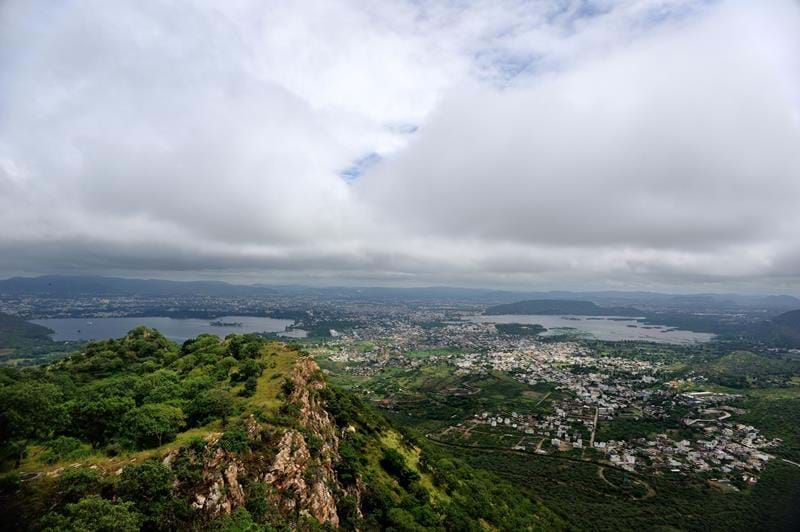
<point x="175" y="329"/>
<point x="609" y="328"/>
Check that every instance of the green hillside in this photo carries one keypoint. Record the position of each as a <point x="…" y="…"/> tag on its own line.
<point x="16" y="332"/>
<point x="783" y="330"/>
<point x="23" y="343"/>
<point x="238" y="433"/>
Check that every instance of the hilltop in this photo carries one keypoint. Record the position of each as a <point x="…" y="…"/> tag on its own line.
<point x="238" y="433"/>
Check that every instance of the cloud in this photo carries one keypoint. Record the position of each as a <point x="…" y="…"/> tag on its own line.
<point x="564" y="144"/>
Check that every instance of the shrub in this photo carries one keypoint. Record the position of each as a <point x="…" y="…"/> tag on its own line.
<point x="63" y="448"/>
<point x="234" y="440"/>
<point x="94" y="514"/>
<point x="76" y="483"/>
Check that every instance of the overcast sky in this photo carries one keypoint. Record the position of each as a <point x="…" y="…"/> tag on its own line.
<point x="639" y="144"/>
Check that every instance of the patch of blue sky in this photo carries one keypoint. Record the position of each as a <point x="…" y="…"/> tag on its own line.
<point x="666" y="12"/>
<point x="500" y="67"/>
<point x="567" y="12"/>
<point x="360" y="166"/>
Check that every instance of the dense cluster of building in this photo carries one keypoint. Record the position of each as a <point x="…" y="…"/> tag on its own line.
<point x="592" y="390"/>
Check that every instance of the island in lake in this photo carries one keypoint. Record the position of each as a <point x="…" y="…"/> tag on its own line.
<point x="220" y="323"/>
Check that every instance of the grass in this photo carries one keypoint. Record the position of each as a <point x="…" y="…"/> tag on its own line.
<point x="411" y="455"/>
<point x="33" y="463"/>
<point x="269" y="385"/>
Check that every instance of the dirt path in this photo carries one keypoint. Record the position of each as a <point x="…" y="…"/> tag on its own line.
<point x="649" y="491"/>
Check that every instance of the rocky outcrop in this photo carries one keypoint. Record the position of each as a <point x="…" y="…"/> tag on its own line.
<point x="302" y="483"/>
<point x="297" y="464"/>
<point x="221" y="490"/>
<point x="310" y="479"/>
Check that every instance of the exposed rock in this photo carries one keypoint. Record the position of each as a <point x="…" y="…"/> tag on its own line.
<point x="170" y="458"/>
<point x="252" y="427"/>
<point x="223" y="493"/>
<point x="301" y="478"/>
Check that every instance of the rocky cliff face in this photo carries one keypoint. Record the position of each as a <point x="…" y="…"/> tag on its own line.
<point x="311" y="479"/>
<point x="296" y="463"/>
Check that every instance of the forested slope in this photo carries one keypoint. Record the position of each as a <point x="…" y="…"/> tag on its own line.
<point x="233" y="434"/>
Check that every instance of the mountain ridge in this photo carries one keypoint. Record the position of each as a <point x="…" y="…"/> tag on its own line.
<point x="71" y="286"/>
<point x="560" y="307"/>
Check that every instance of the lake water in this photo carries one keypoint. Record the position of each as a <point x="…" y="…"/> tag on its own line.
<point x="609" y="328"/>
<point x="177" y="330"/>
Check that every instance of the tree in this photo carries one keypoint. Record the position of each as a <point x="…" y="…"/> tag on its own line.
<point x="76" y="483"/>
<point x="151" y="425"/>
<point x="99" y="421"/>
<point x="248" y="368"/>
<point x="158" y="387"/>
<point x="250" y="387"/>
<point x="238" y="521"/>
<point x="93" y="514"/>
<point x="149" y="486"/>
<point x="31" y="410"/>
<point x="148" y="482"/>
<point x="209" y="405"/>
<point x="394" y="464"/>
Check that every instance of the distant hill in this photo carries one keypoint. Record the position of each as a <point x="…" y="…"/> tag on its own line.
<point x="65" y="286"/>
<point x="783" y="330"/>
<point x="790" y="320"/>
<point x="15" y="331"/>
<point x="559" y="307"/>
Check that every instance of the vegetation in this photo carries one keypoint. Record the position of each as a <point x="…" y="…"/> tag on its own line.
<point x="23" y="343"/>
<point x="120" y="406"/>
<point x="580" y="493"/>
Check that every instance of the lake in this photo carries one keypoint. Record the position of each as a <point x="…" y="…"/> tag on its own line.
<point x="609" y="328"/>
<point x="174" y="329"/>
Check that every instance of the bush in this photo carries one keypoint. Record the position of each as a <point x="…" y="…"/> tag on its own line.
<point x="76" y="483"/>
<point x="94" y="514"/>
<point x="394" y="464"/>
<point x="63" y="448"/>
<point x="234" y="440"/>
<point x="250" y="387"/>
<point x="151" y="425"/>
<point x="256" y="502"/>
<point x="248" y="368"/>
<point x="287" y="387"/>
